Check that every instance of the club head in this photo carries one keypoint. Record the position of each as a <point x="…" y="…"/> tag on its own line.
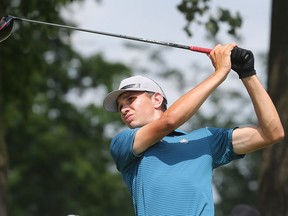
<point x="6" y="27"/>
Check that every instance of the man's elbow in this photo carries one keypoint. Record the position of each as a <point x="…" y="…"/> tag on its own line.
<point x="168" y="122"/>
<point x="278" y="135"/>
<point x="270" y="140"/>
<point x="281" y="135"/>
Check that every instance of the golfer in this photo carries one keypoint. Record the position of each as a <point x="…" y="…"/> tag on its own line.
<point x="169" y="171"/>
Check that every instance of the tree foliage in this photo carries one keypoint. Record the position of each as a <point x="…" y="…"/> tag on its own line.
<point x="59" y="161"/>
<point x="199" y="12"/>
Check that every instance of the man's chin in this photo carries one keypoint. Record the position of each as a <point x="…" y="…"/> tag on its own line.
<point x="132" y="126"/>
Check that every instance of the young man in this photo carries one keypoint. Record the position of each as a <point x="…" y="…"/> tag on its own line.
<point x="168" y="171"/>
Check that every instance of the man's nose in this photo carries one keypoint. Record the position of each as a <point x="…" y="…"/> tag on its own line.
<point x="124" y="108"/>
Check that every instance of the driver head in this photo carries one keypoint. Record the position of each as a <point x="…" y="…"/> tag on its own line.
<point x="6" y="27"/>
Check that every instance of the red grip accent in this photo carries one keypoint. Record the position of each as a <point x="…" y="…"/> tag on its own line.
<point x="200" y="49"/>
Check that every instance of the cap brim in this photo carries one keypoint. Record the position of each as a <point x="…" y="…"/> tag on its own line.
<point x="110" y="102"/>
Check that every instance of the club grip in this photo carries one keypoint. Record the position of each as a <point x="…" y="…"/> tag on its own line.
<point x="200" y="49"/>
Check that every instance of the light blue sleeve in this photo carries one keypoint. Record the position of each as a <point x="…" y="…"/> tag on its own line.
<point x="221" y="146"/>
<point x="121" y="149"/>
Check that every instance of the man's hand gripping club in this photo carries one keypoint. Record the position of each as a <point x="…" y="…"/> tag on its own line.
<point x="242" y="62"/>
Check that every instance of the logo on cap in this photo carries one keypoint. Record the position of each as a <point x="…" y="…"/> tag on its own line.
<point x="137" y="85"/>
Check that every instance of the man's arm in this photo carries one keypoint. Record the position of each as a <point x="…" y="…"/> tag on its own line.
<point x="269" y="129"/>
<point x="186" y="106"/>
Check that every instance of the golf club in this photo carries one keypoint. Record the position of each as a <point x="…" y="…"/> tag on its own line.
<point x="7" y="27"/>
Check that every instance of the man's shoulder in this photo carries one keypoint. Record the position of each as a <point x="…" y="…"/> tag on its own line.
<point x="126" y="132"/>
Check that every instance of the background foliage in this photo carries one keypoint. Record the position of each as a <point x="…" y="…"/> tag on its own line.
<point x="59" y="153"/>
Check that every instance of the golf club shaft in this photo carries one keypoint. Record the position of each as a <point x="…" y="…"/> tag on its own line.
<point x="180" y="46"/>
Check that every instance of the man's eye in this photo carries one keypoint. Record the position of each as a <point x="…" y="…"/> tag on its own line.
<point x="131" y="99"/>
<point x="127" y="101"/>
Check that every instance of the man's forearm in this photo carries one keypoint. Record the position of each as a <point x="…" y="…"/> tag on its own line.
<point x="268" y="118"/>
<point x="186" y="106"/>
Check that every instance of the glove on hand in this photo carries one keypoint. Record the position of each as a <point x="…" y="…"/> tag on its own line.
<point x="243" y="62"/>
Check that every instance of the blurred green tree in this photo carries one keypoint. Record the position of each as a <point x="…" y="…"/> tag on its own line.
<point x="59" y="161"/>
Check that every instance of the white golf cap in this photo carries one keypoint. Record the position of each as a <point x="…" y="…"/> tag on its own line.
<point x="134" y="83"/>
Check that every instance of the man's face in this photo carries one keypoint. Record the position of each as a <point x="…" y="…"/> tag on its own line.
<point x="136" y="108"/>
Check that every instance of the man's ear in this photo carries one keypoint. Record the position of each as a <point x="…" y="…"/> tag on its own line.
<point x="157" y="99"/>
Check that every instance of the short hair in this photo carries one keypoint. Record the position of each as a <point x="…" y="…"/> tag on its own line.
<point x="164" y="102"/>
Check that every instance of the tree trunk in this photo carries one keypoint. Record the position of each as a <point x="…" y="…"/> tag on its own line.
<point x="273" y="188"/>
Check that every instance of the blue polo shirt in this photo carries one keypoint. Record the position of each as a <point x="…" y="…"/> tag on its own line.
<point x="174" y="176"/>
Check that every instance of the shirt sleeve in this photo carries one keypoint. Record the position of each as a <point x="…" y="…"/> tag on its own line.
<point x="121" y="149"/>
<point x="221" y="146"/>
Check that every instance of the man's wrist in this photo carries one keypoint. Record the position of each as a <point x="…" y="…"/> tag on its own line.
<point x="222" y="71"/>
<point x="246" y="74"/>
